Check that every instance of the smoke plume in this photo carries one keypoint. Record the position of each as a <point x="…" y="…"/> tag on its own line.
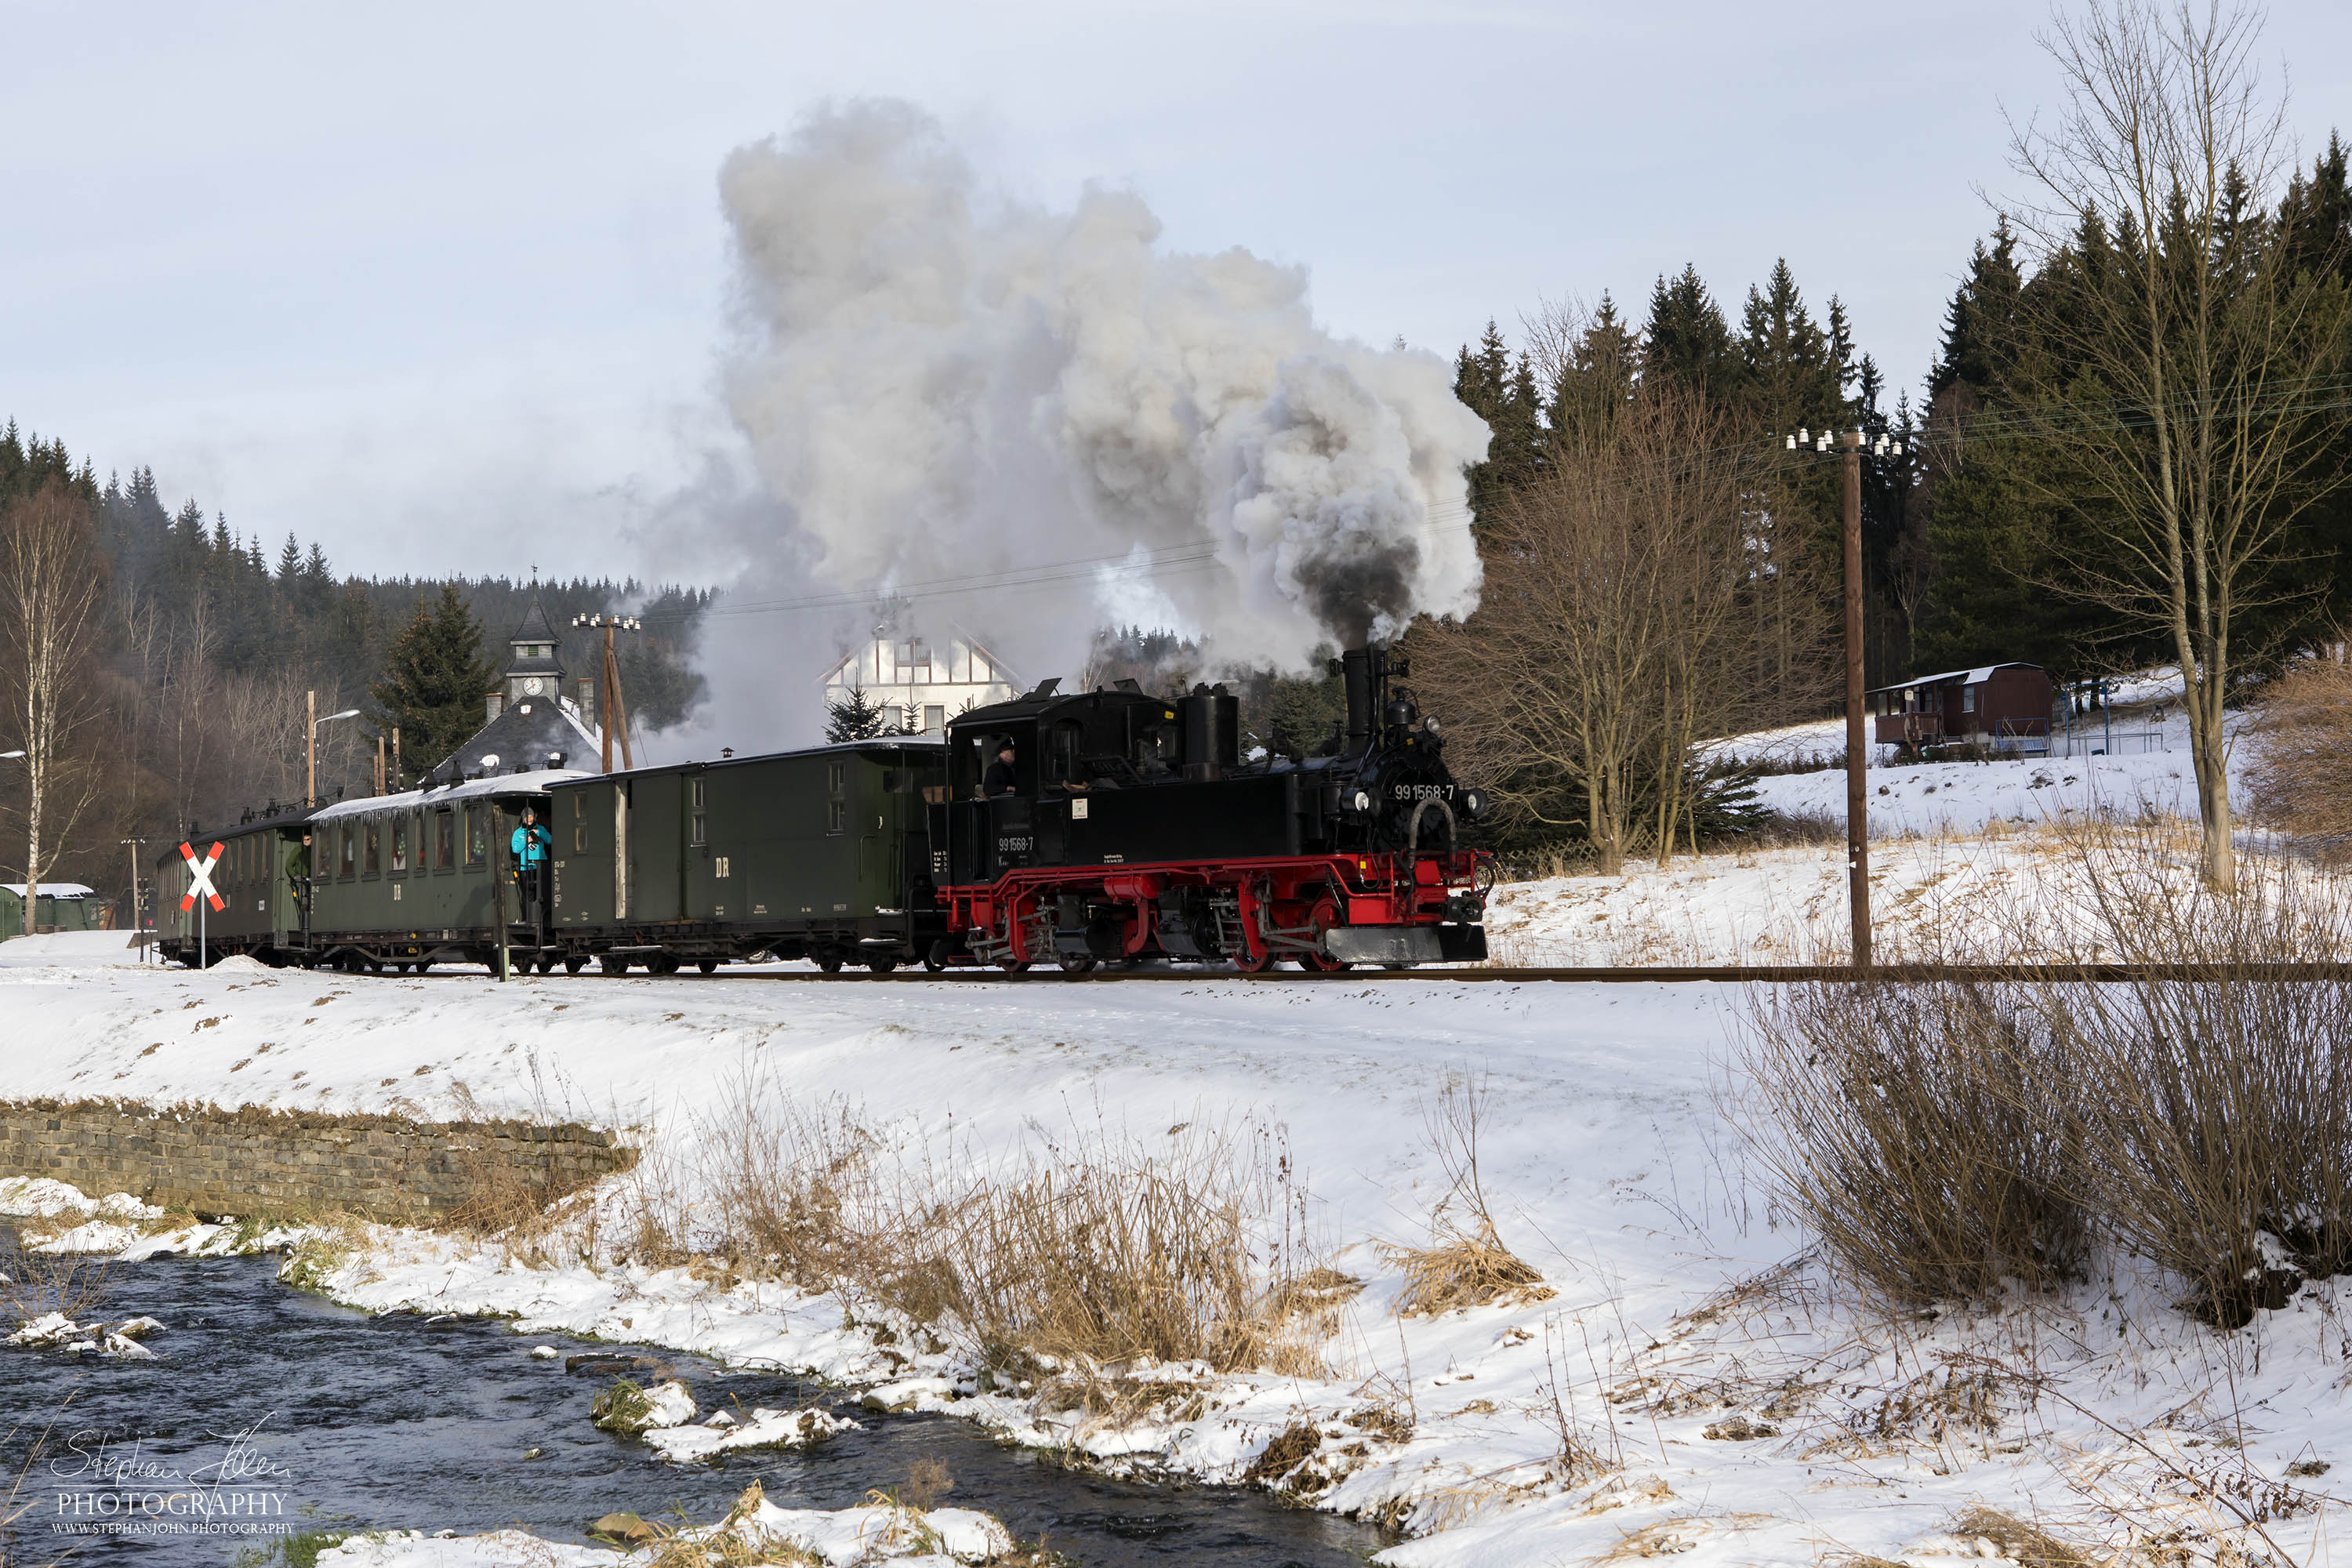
<point x="1024" y="424"/>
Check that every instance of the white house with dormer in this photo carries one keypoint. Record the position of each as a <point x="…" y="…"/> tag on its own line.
<point x="919" y="685"/>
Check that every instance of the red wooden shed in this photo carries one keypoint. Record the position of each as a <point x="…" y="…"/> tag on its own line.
<point x="2004" y="707"/>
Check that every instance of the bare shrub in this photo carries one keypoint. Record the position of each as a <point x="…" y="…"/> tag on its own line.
<point x="2301" y="781"/>
<point x="1908" y="1124"/>
<point x="33" y="1283"/>
<point x="1466" y="1263"/>
<point x="2215" y="1112"/>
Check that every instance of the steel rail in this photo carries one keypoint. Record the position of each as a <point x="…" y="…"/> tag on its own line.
<point x="1767" y="974"/>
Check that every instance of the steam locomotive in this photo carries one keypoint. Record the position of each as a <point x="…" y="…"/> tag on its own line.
<point x="1131" y="832"/>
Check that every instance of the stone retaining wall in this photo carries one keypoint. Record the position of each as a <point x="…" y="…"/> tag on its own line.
<point x="252" y="1162"/>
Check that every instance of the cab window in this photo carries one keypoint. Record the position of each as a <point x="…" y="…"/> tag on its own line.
<point x="1062" y="754"/>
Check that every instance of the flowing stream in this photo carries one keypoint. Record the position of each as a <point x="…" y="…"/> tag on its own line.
<point x="401" y="1422"/>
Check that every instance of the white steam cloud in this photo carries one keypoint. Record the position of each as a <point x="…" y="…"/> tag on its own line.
<point x="937" y="386"/>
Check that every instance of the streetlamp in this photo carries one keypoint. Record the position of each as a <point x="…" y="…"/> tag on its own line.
<point x="613" y="715"/>
<point x="137" y="927"/>
<point x="310" y="748"/>
<point x="1849" y="446"/>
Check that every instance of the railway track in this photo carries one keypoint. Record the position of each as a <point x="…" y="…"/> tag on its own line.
<point x="1749" y="975"/>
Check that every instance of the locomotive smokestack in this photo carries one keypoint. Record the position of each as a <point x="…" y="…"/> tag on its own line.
<point x="1356" y="672"/>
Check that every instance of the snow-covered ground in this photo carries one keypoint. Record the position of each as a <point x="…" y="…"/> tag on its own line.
<point x="1686" y="1380"/>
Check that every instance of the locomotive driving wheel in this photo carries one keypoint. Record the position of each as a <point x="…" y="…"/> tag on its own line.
<point x="1074" y="963"/>
<point x="1317" y="961"/>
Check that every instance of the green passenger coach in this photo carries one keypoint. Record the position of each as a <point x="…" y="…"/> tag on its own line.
<point x="822" y="854"/>
<point x="400" y="881"/>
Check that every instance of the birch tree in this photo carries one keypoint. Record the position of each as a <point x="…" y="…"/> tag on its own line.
<point x="2184" y="353"/>
<point x="52" y="588"/>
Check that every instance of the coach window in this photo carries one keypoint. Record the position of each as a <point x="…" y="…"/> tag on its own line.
<point x="348" y="837"/>
<point x="372" y="853"/>
<point x="698" y="829"/>
<point x="444" y="839"/>
<point x="836" y="790"/>
<point x="477" y="842"/>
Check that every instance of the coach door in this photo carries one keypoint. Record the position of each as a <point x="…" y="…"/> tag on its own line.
<point x="656" y="846"/>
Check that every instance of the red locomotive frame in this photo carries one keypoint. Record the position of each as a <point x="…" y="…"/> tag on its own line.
<point x="1281" y="908"/>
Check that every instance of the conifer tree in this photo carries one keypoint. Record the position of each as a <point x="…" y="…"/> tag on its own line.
<point x="852" y="719"/>
<point x="1502" y="392"/>
<point x="434" y="678"/>
<point x="1685" y="336"/>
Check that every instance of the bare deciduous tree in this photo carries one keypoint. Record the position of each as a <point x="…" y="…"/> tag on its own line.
<point x="1599" y="653"/>
<point x="2184" y="347"/>
<point x="52" y="589"/>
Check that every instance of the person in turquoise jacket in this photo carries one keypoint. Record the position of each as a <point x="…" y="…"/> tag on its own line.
<point x="530" y="845"/>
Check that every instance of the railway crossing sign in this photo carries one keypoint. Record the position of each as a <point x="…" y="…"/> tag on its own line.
<point x="200" y="879"/>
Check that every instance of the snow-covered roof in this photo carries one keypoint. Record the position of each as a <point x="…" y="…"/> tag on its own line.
<point x="52" y="889"/>
<point x="1976" y="677"/>
<point x="473" y="789"/>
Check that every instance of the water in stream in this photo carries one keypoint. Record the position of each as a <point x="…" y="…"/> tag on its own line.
<point x="399" y="1422"/>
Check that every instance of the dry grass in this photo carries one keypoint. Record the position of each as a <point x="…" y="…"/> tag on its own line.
<point x="1071" y="1257"/>
<point x="2301" y="781"/>
<point x="1465" y="1262"/>
<point x="2025" y="1544"/>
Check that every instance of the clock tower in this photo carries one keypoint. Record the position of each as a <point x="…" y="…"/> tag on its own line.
<point x="532" y="673"/>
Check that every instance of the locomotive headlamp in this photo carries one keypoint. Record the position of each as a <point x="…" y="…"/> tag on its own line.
<point x="1431" y="724"/>
<point x="1475" y="802"/>
<point x="1360" y="801"/>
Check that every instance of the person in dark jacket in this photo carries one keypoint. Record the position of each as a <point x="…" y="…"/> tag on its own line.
<point x="999" y="780"/>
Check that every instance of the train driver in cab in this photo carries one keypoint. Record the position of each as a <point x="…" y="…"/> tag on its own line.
<point x="999" y="780"/>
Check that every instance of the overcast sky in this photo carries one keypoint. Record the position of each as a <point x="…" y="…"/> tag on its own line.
<point x="444" y="287"/>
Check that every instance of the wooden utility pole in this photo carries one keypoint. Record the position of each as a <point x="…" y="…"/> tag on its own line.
<point x="379" y="765"/>
<point x="395" y="756"/>
<point x="1857" y="743"/>
<point x="615" y="717"/>
<point x="311" y="751"/>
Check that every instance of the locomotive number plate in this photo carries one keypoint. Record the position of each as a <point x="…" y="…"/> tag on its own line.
<point x="1422" y="792"/>
<point x="1014" y="844"/>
